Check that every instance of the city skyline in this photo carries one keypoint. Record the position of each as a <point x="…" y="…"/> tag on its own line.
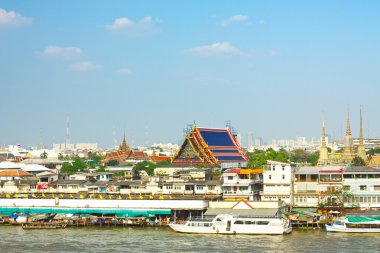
<point x="270" y="67"/>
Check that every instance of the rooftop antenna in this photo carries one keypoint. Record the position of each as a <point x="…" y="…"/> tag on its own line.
<point x="231" y="128"/>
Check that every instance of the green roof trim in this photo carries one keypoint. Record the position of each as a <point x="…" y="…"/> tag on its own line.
<point x="85" y="211"/>
<point x="355" y="219"/>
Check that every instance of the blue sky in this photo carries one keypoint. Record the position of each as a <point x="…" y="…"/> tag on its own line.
<point x="151" y="67"/>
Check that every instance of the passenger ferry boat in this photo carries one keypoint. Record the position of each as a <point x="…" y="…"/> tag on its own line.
<point x="232" y="224"/>
<point x="360" y="224"/>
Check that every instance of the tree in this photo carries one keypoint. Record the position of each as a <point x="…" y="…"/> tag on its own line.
<point x="336" y="198"/>
<point x="96" y="157"/>
<point x="112" y="163"/>
<point x="76" y="165"/>
<point x="44" y="155"/>
<point x="358" y="161"/>
<point x="50" y="166"/>
<point x="61" y="157"/>
<point x="259" y="158"/>
<point x="374" y="151"/>
<point x="313" y="158"/>
<point x="146" y="166"/>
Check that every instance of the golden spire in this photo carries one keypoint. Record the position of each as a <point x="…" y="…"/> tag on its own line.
<point x="323" y="153"/>
<point x="124" y="146"/>
<point x="348" y="128"/>
<point x="361" y="148"/>
<point x="323" y="130"/>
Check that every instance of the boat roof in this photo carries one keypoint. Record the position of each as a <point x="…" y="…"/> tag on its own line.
<point x="264" y="212"/>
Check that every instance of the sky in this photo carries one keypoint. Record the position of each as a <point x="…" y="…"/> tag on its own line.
<point x="149" y="68"/>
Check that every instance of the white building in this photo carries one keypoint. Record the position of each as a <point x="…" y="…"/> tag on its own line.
<point x="241" y="184"/>
<point x="278" y="182"/>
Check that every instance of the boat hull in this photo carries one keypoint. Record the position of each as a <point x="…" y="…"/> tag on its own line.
<point x="330" y="228"/>
<point x="181" y="228"/>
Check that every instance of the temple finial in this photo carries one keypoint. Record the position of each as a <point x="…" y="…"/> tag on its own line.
<point x="348" y="128"/>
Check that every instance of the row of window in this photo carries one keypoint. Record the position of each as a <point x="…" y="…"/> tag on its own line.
<point x="362" y="187"/>
<point x="270" y="176"/>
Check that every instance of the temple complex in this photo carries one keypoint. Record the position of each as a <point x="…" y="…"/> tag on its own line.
<point x="348" y="150"/>
<point x="211" y="147"/>
<point x="124" y="154"/>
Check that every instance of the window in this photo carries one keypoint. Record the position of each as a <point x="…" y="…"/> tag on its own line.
<point x="262" y="222"/>
<point x="363" y="187"/>
<point x="376" y="187"/>
<point x="230" y="178"/>
<point x="346" y="187"/>
<point x="283" y="176"/>
<point x="211" y="187"/>
<point x="313" y="178"/>
<point x="270" y="176"/>
<point x="199" y="187"/>
<point x="274" y="168"/>
<point x="283" y="168"/>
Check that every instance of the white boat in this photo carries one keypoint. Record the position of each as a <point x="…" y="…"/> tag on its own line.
<point x="233" y="224"/>
<point x="359" y="224"/>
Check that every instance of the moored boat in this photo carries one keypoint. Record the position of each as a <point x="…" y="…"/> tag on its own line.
<point x="358" y="224"/>
<point x="43" y="226"/>
<point x="233" y="224"/>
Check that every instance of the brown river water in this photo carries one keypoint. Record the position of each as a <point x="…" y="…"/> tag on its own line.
<point x="163" y="239"/>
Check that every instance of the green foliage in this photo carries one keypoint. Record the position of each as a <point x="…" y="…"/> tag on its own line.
<point x="96" y="157"/>
<point x="44" y="155"/>
<point x="112" y="163"/>
<point x="374" y="151"/>
<point x="336" y="198"/>
<point x="259" y="158"/>
<point x="358" y="161"/>
<point x="61" y="157"/>
<point x="162" y="163"/>
<point x="303" y="156"/>
<point x="313" y="158"/>
<point x="50" y="166"/>
<point x="76" y="165"/>
<point x="101" y="169"/>
<point x="146" y="166"/>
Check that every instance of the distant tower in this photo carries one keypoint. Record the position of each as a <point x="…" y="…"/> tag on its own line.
<point x="67" y="143"/>
<point x="124" y="146"/>
<point x="323" y="154"/>
<point x="348" y="151"/>
<point x="361" y="148"/>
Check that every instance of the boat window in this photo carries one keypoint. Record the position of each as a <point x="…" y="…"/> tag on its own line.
<point x="219" y="219"/>
<point x="261" y="222"/>
<point x="339" y="222"/>
<point x="249" y="222"/>
<point x="239" y="222"/>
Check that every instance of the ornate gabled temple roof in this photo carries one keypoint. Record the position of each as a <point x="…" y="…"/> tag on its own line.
<point x="125" y="153"/>
<point x="207" y="146"/>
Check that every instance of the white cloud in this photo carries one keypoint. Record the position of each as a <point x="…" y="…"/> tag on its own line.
<point x="124" y="71"/>
<point x="13" y="18"/>
<point x="144" y="26"/>
<point x="83" y="66"/>
<point x="234" y="19"/>
<point x="65" y="52"/>
<point x="219" y="48"/>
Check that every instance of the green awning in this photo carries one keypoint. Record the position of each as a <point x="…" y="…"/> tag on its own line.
<point x="86" y="211"/>
<point x="363" y="218"/>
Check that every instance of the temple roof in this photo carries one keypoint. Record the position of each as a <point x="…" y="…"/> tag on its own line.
<point x="209" y="147"/>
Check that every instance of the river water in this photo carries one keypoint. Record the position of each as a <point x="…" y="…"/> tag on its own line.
<point x="136" y="239"/>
